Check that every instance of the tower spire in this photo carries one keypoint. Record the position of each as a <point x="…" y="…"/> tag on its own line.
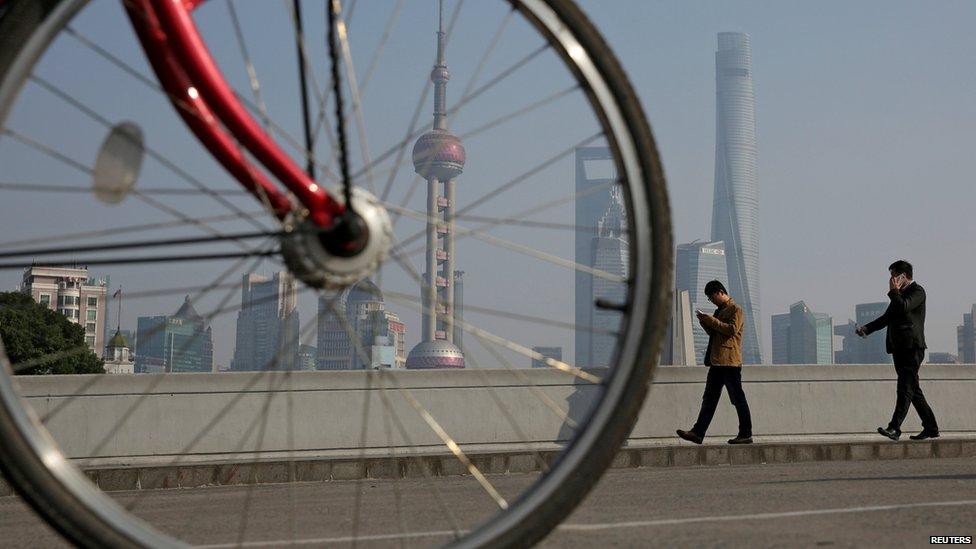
<point x="440" y="75"/>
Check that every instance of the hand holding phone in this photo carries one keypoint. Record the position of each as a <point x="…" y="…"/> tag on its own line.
<point x="699" y="312"/>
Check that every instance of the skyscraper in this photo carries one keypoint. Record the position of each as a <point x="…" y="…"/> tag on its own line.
<point x="966" y="338"/>
<point x="610" y="255"/>
<point x="438" y="157"/>
<point x="267" y="324"/>
<point x="695" y="264"/>
<point x="595" y="174"/>
<point x="71" y="292"/>
<point x="182" y="342"/>
<point x="863" y="350"/>
<point x="380" y="332"/>
<point x="802" y="337"/>
<point x="679" y="343"/>
<point x="735" y="207"/>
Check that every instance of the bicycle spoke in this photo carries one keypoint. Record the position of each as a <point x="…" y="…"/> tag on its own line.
<point x="127" y="229"/>
<point x="128" y="69"/>
<point x="511" y="345"/>
<point x="152" y="152"/>
<point x="523" y="249"/>
<point x="401" y="148"/>
<point x="140" y="244"/>
<point x="387" y="31"/>
<point x="353" y="86"/>
<point x="546" y="399"/>
<point x="252" y="74"/>
<point x="36" y="145"/>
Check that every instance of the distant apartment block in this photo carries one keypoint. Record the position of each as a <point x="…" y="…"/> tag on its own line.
<point x="966" y="338"/>
<point x="802" y="336"/>
<point x="942" y="358"/>
<point x="182" y="342"/>
<point x="73" y="293"/>
<point x="858" y="350"/>
<point x="267" y="324"/>
<point x="678" y="348"/>
<point x="695" y="264"/>
<point x="357" y="332"/>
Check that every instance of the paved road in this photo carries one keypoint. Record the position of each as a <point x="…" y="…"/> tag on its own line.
<point x="834" y="504"/>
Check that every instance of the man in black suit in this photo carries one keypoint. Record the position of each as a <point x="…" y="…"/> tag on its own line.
<point x="905" y="341"/>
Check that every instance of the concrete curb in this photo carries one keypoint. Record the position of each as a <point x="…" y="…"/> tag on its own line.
<point x="320" y="470"/>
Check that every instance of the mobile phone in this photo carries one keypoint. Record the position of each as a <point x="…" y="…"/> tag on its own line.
<point x="699" y="311"/>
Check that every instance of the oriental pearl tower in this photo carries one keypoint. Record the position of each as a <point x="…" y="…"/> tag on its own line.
<point x="438" y="157"/>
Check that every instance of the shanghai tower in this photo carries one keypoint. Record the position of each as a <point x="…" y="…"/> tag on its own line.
<point x="735" y="206"/>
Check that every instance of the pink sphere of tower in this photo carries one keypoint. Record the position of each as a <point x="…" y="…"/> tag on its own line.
<point x="435" y="355"/>
<point x="438" y="154"/>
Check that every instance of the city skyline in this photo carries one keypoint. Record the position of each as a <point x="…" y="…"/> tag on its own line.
<point x="828" y="138"/>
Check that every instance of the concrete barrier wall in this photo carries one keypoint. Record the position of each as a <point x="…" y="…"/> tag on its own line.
<point x="128" y="419"/>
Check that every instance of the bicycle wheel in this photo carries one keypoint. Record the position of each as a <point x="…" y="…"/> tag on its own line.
<point x="544" y="97"/>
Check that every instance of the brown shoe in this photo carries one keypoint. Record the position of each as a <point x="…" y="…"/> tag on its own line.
<point x="690" y="436"/>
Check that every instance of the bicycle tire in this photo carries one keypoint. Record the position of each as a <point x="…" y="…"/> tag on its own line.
<point x="62" y="497"/>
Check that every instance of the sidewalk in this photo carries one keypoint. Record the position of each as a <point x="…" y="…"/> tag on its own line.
<point x="197" y="471"/>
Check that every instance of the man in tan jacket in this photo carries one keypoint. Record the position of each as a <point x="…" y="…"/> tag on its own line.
<point x="724" y="360"/>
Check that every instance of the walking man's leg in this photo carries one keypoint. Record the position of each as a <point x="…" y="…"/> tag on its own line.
<point x="907" y="370"/>
<point x="733" y="383"/>
<point x="713" y="391"/>
<point x="929" y="424"/>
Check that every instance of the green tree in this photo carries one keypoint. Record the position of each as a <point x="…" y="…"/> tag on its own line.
<point x="52" y="343"/>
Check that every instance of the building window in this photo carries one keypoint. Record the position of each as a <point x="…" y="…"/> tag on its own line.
<point x="90" y="341"/>
<point x="45" y="300"/>
<point x="92" y="301"/>
<point x="91" y="315"/>
<point x="90" y="327"/>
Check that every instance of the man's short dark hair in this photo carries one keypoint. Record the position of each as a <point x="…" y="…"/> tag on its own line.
<point x="714" y="286"/>
<point x="901" y="267"/>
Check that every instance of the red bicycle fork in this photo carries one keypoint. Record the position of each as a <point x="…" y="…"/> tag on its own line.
<point x="213" y="112"/>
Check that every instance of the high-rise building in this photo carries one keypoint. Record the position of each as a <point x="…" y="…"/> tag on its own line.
<point x="267" y="324"/>
<point x="735" y="207"/>
<point x="610" y="255"/>
<point x="695" y="264"/>
<point x="380" y="333"/>
<point x="555" y="353"/>
<point x="71" y="292"/>
<point x="679" y="341"/>
<point x="937" y="357"/>
<point x="595" y="176"/>
<point x="866" y="350"/>
<point x="438" y="157"/>
<point x="307" y="354"/>
<point x="182" y="342"/>
<point x="966" y="338"/>
<point x="802" y="337"/>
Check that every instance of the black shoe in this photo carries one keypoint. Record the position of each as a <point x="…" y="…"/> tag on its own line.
<point x="924" y="435"/>
<point x="690" y="436"/>
<point x="890" y="433"/>
<point x="740" y="440"/>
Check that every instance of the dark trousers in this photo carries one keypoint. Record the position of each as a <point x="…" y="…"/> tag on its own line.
<point x="909" y="392"/>
<point x="731" y="378"/>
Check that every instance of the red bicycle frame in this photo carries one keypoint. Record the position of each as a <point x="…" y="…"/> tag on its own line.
<point x="211" y="109"/>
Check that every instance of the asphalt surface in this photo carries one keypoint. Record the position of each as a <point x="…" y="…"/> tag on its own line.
<point x="899" y="503"/>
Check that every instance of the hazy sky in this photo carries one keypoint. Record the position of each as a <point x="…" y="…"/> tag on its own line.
<point x="866" y="116"/>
